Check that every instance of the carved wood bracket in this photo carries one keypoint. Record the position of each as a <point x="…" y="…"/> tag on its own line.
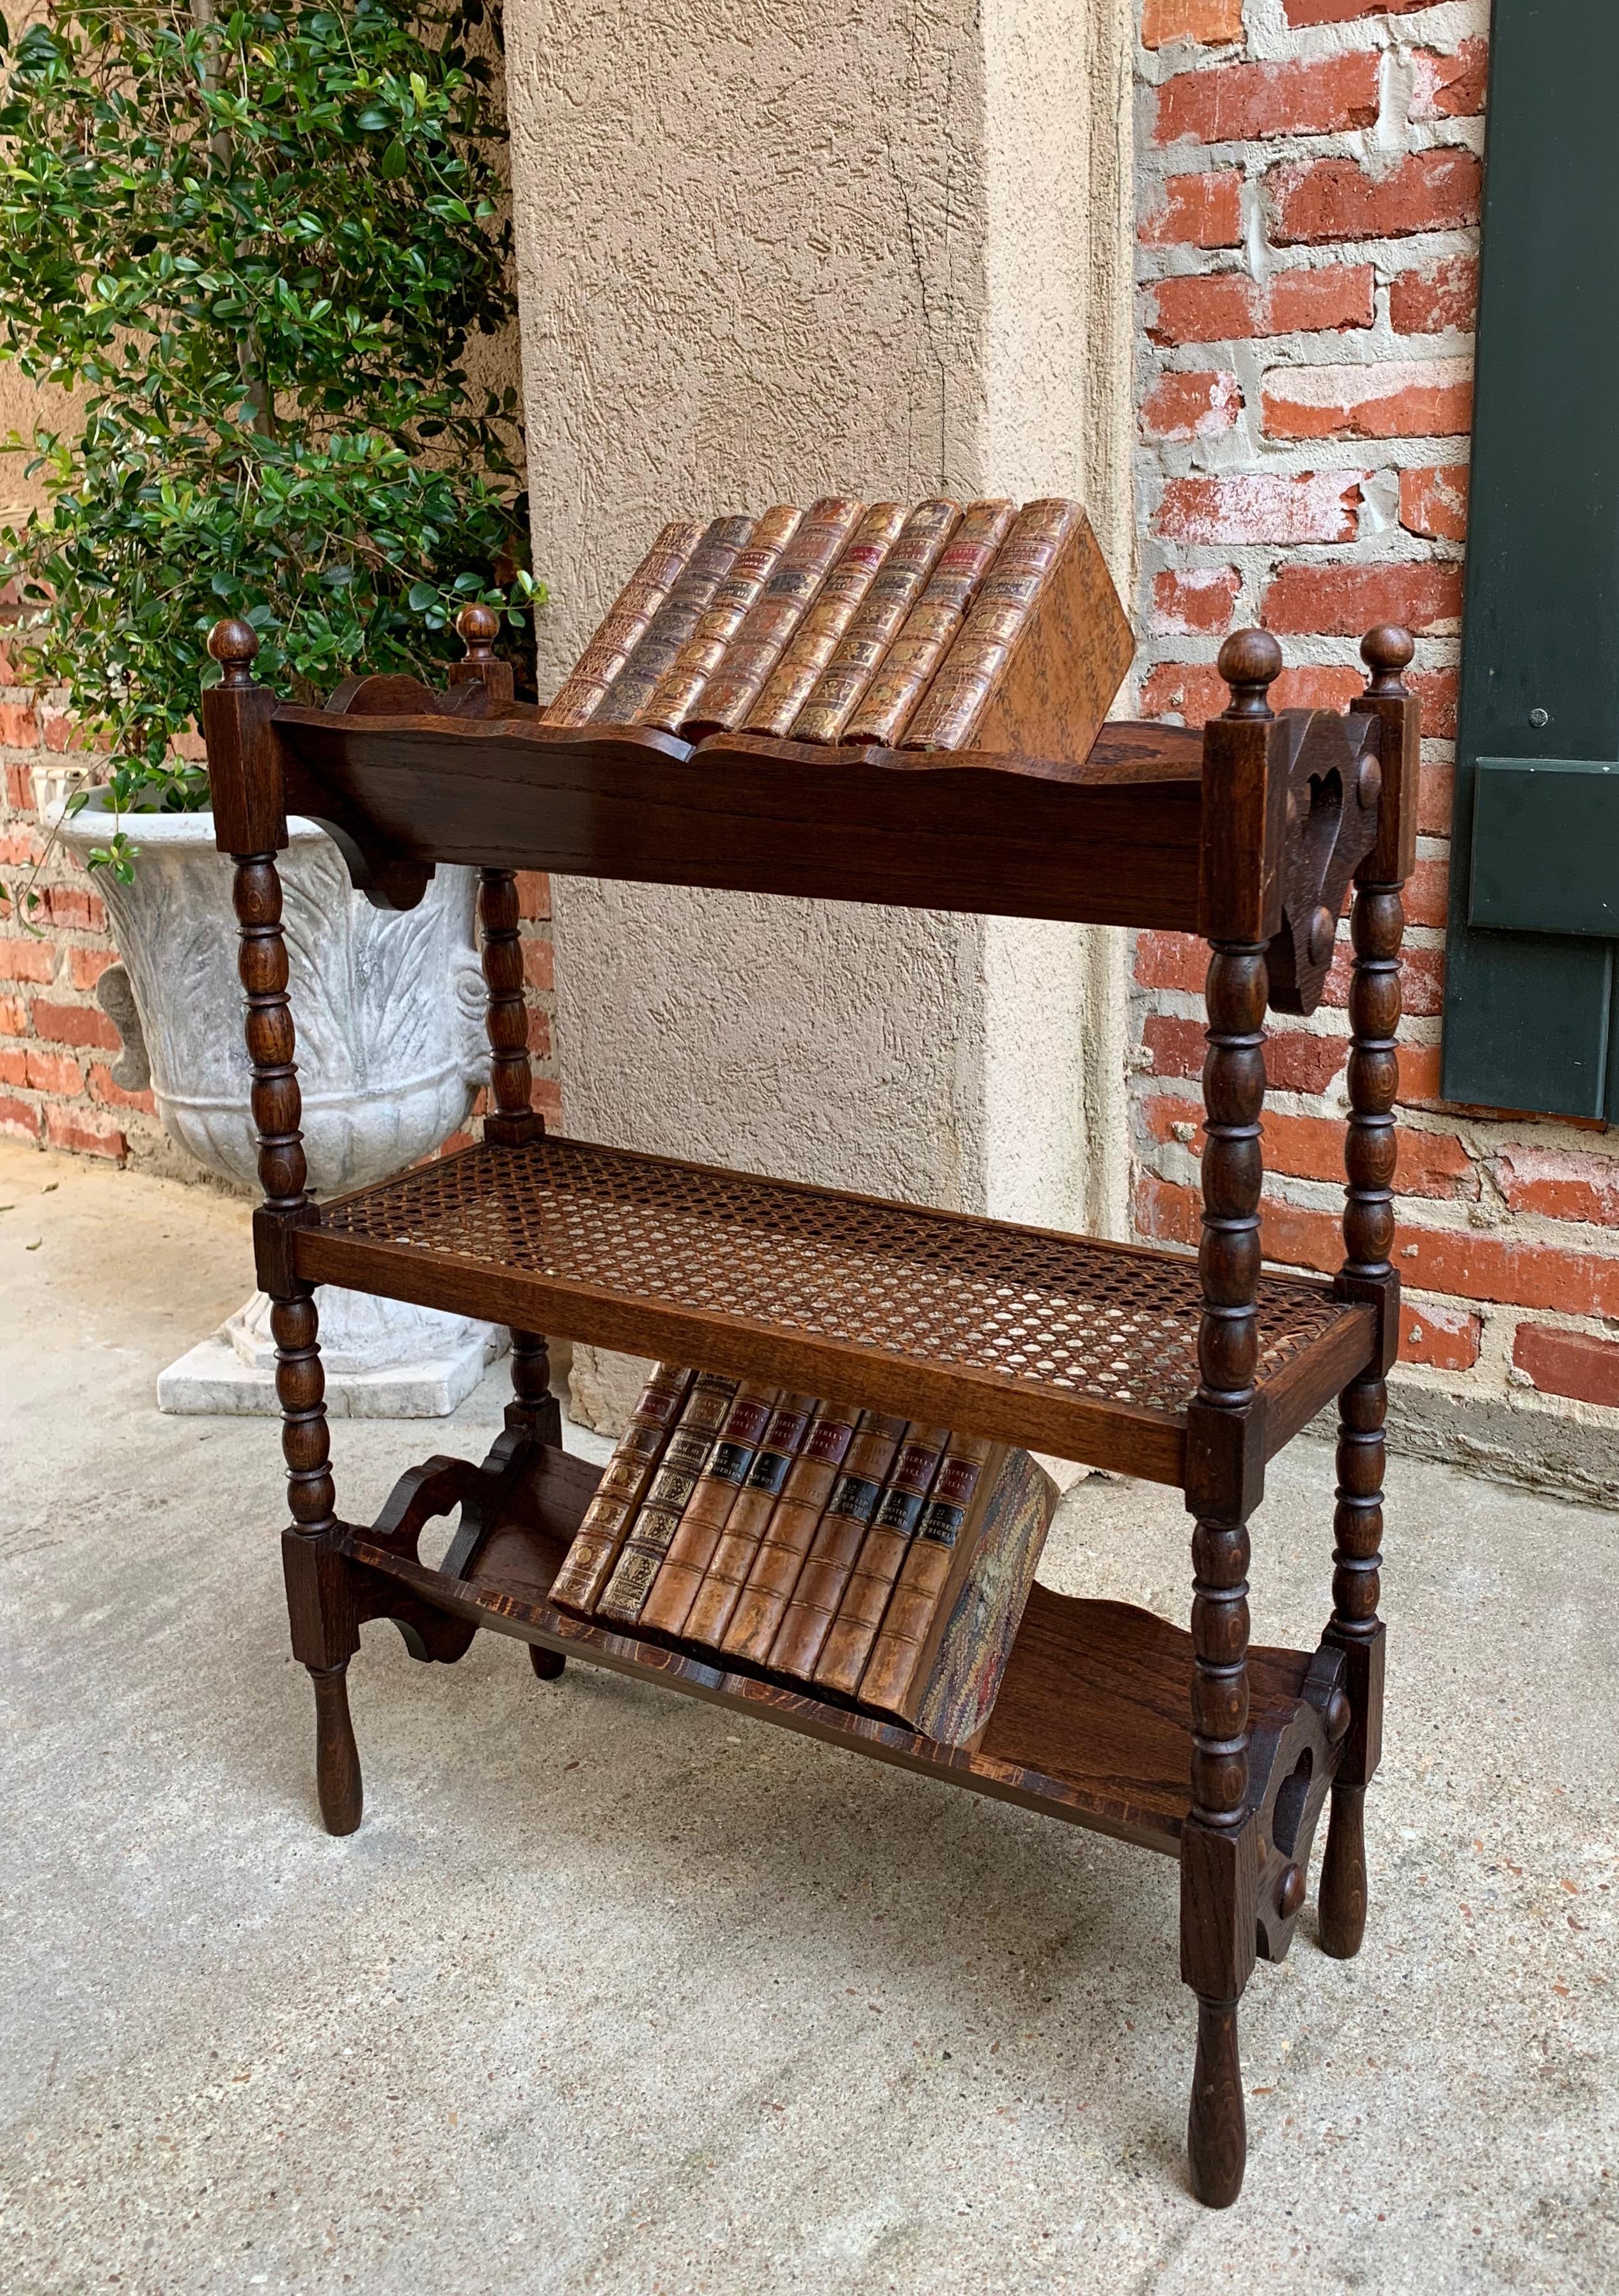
<point x="1290" y="1769"/>
<point x="386" y="879"/>
<point x="1335" y="781"/>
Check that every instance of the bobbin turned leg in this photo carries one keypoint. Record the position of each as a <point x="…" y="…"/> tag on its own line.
<point x="533" y="1415"/>
<point x="1220" y="1840"/>
<point x="319" y="1604"/>
<point x="324" y="1634"/>
<point x="533" y="1410"/>
<point x="1370" y="1148"/>
<point x="337" y="1761"/>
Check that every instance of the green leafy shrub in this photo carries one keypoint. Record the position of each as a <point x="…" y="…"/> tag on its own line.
<point x="260" y="239"/>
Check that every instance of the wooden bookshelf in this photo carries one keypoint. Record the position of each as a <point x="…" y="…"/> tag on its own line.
<point x="1254" y="834"/>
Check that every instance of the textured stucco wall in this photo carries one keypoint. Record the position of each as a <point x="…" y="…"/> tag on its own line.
<point x="759" y="260"/>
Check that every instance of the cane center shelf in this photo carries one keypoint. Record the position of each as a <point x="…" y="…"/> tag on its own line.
<point x="1087" y="1349"/>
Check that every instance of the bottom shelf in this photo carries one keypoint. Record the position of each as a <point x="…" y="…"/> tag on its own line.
<point x="1092" y="1723"/>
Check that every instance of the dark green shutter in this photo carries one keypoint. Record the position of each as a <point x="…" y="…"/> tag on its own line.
<point x="1531" y="991"/>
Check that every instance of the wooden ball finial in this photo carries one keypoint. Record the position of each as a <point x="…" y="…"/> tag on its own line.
<point x="1386" y="651"/>
<point x="234" y="646"/>
<point x="478" y="628"/>
<point x="1249" y="661"/>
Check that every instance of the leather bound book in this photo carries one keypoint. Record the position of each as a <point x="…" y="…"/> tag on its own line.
<point x="932" y="1573"/>
<point x="808" y="1618"/>
<point x="961" y="1690"/>
<point x="787" y="687"/>
<point x="624" y="1480"/>
<point x="877" y="622"/>
<point x="680" y="689"/>
<point x="733" y="1553"/>
<point x="883" y="1551"/>
<point x="774" y="1566"/>
<point x="1043" y="653"/>
<point x="674" y="622"/>
<point x="1005" y="601"/>
<point x="931" y="627"/>
<point x="775" y="616"/>
<point x="658" y="1516"/>
<point x="709" y="1507"/>
<point x="585" y="687"/>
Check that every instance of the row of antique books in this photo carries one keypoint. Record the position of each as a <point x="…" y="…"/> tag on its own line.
<point x="849" y="622"/>
<point x="853" y="1555"/>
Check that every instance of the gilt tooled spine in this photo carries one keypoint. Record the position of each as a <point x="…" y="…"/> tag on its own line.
<point x="931" y="627"/>
<point x="877" y="621"/>
<point x="680" y="688"/>
<point x="726" y="1566"/>
<point x="708" y="1509"/>
<point x="877" y="1567"/>
<point x="673" y="624"/>
<point x="948" y="711"/>
<point x="773" y="1569"/>
<point x="963" y="1680"/>
<point x="787" y="688"/>
<point x="855" y="1498"/>
<point x="930" y="1575"/>
<point x="625" y="1480"/>
<point x="587" y="684"/>
<point x="658" y="1517"/>
<point x="782" y="605"/>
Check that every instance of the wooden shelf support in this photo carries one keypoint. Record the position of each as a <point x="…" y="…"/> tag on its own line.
<point x="1371" y="1151"/>
<point x="1220" y="1848"/>
<point x="324" y="1633"/>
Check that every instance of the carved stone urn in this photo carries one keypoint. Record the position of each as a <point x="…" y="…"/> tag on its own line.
<point x="389" y="1008"/>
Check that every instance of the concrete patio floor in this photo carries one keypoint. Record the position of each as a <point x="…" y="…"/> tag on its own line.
<point x="611" y="1993"/>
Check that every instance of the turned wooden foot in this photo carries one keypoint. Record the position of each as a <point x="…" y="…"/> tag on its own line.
<point x="337" y="1761"/>
<point x="1342" y="1905"/>
<point x="1216" y="2133"/>
<point x="546" y="1664"/>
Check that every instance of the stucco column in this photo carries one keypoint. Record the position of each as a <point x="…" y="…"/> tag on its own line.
<point x="880" y="251"/>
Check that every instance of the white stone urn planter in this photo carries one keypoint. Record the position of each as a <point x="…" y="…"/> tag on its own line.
<point x="389" y="1008"/>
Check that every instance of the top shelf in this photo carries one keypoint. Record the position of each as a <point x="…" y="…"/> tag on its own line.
<point x="1115" y="840"/>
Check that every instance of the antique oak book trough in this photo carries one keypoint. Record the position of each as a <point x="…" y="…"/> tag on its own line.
<point x="1252" y="833"/>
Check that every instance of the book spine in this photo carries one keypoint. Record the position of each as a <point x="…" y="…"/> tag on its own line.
<point x="773" y="1569"/>
<point x="680" y="688"/>
<point x="772" y="621"/>
<point x="855" y="1498"/>
<point x="785" y="690"/>
<point x="726" y="1566"/>
<point x="944" y="718"/>
<point x="604" y="1525"/>
<point x="931" y="1569"/>
<point x="658" y="1517"/>
<point x="881" y="615"/>
<point x="931" y="626"/>
<point x="959" y="1697"/>
<point x="883" y="1552"/>
<point x="710" y="1507"/>
<point x="585" y="687"/>
<point x="675" y="621"/>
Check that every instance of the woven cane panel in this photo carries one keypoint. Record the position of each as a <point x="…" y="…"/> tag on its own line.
<point x="1054" y="1312"/>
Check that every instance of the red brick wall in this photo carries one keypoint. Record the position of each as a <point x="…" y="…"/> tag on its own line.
<point x="1309" y="178"/>
<point x="57" y="1046"/>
